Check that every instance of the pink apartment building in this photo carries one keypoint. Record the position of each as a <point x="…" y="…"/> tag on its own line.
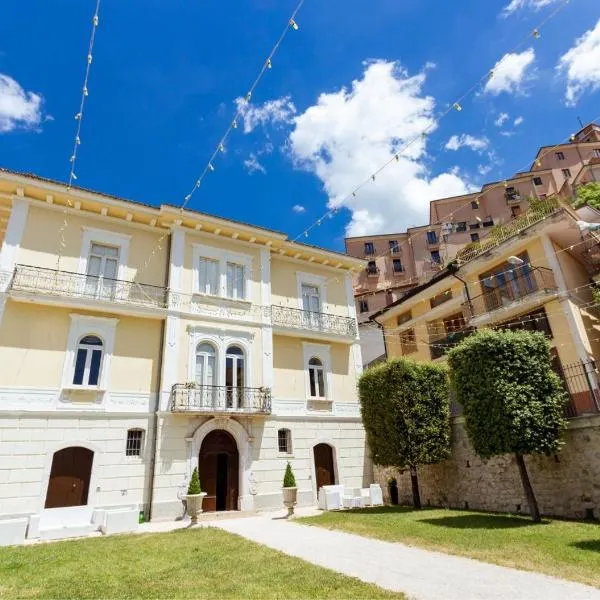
<point x="399" y="261"/>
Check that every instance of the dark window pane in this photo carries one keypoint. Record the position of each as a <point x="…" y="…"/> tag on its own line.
<point x="311" y="376"/>
<point x="95" y="367"/>
<point x="79" y="366"/>
<point x="321" y="383"/>
<point x="91" y="340"/>
<point x="229" y="371"/>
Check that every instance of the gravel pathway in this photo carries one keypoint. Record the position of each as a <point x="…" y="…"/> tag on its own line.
<point x="421" y="574"/>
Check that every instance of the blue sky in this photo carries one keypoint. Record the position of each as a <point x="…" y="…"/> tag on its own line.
<point x="165" y="76"/>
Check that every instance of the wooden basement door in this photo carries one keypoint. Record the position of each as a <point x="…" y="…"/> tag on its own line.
<point x="70" y="476"/>
<point x="324" y="465"/>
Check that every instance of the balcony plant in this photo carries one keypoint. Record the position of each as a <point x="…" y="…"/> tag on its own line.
<point x="194" y="497"/>
<point x="290" y="491"/>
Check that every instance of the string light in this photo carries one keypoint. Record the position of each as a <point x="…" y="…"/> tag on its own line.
<point x="77" y="139"/>
<point x="456" y="105"/>
<point x="266" y="65"/>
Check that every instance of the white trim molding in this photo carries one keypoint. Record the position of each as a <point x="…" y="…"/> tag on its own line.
<point x="322" y="352"/>
<point x="223" y="256"/>
<point x="318" y="281"/>
<point x="14" y="233"/>
<point x="82" y="325"/>
<point x="91" y="235"/>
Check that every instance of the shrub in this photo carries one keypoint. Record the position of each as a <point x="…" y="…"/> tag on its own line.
<point x="194" y="486"/>
<point x="406" y="414"/>
<point x="289" y="481"/>
<point x="392" y="482"/>
<point x="513" y="401"/>
<point x="588" y="194"/>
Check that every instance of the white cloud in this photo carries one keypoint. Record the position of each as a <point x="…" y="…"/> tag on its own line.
<point x="253" y="166"/>
<point x="349" y="134"/>
<point x="502" y="118"/>
<point x="278" y="111"/>
<point x="18" y="109"/>
<point x="518" y="121"/>
<point x="484" y="169"/>
<point x="516" y="5"/>
<point x="511" y="73"/>
<point x="507" y="133"/>
<point x="581" y="63"/>
<point x="466" y="140"/>
<point x="298" y="208"/>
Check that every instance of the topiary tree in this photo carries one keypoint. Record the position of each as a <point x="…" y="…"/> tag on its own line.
<point x="194" y="486"/>
<point x="406" y="414"/>
<point x="588" y="194"/>
<point x="513" y="401"/>
<point x="289" y="481"/>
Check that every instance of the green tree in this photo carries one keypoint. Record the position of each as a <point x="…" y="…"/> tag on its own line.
<point x="406" y="414"/>
<point x="588" y="194"/>
<point x="289" y="481"/>
<point x="194" y="486"/>
<point x="513" y="401"/>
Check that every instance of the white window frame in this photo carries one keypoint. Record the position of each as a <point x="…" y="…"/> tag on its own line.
<point x="317" y="281"/>
<point x="91" y="236"/>
<point x="323" y="353"/>
<point x="223" y="256"/>
<point x="82" y="325"/>
<point x="289" y="442"/>
<point x="89" y="352"/>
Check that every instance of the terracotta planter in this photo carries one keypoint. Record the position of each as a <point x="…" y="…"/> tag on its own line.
<point x="194" y="505"/>
<point x="289" y="499"/>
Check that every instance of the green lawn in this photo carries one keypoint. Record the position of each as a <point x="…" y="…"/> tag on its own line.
<point x="188" y="563"/>
<point x="566" y="549"/>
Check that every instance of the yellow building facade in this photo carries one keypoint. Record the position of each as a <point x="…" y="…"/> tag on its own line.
<point x="140" y="342"/>
<point x="536" y="274"/>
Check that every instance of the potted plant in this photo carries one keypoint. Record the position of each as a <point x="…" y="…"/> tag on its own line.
<point x="393" y="488"/>
<point x="290" y="491"/>
<point x="194" y="497"/>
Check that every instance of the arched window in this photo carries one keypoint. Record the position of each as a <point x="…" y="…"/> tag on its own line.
<point x="284" y="441"/>
<point x="235" y="376"/>
<point x="316" y="377"/>
<point x="88" y="360"/>
<point x="206" y="365"/>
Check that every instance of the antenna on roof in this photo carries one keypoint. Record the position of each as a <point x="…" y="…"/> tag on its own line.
<point x="580" y="122"/>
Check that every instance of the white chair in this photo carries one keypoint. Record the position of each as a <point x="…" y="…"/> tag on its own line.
<point x="376" y="494"/>
<point x="330" y="497"/>
<point x="352" y="498"/>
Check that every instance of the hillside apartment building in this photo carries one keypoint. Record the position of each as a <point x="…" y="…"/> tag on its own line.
<point x="138" y="342"/>
<point x="399" y="262"/>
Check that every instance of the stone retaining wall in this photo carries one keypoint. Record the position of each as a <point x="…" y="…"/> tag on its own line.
<point x="566" y="485"/>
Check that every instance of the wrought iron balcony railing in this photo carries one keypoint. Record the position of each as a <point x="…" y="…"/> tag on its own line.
<point x="295" y="318"/>
<point x="50" y="282"/>
<point x="193" y="397"/>
<point x="529" y="281"/>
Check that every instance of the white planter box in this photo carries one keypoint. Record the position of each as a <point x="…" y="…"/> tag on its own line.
<point x="12" y="531"/>
<point x="125" y="520"/>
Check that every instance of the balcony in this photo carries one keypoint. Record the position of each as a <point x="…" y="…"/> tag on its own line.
<point x="306" y="320"/>
<point x="64" y="284"/>
<point x="527" y="284"/>
<point x="512" y="196"/>
<point x="372" y="271"/>
<point x="439" y="346"/>
<point x="501" y="233"/>
<point x="219" y="399"/>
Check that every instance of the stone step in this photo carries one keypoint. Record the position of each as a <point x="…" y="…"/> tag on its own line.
<point x="62" y="533"/>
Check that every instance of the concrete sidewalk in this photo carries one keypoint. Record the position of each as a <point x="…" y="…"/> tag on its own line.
<point x="421" y="574"/>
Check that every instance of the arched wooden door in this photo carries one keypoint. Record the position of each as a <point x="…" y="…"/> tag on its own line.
<point x="218" y="467"/>
<point x="324" y="465"/>
<point x="70" y="476"/>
